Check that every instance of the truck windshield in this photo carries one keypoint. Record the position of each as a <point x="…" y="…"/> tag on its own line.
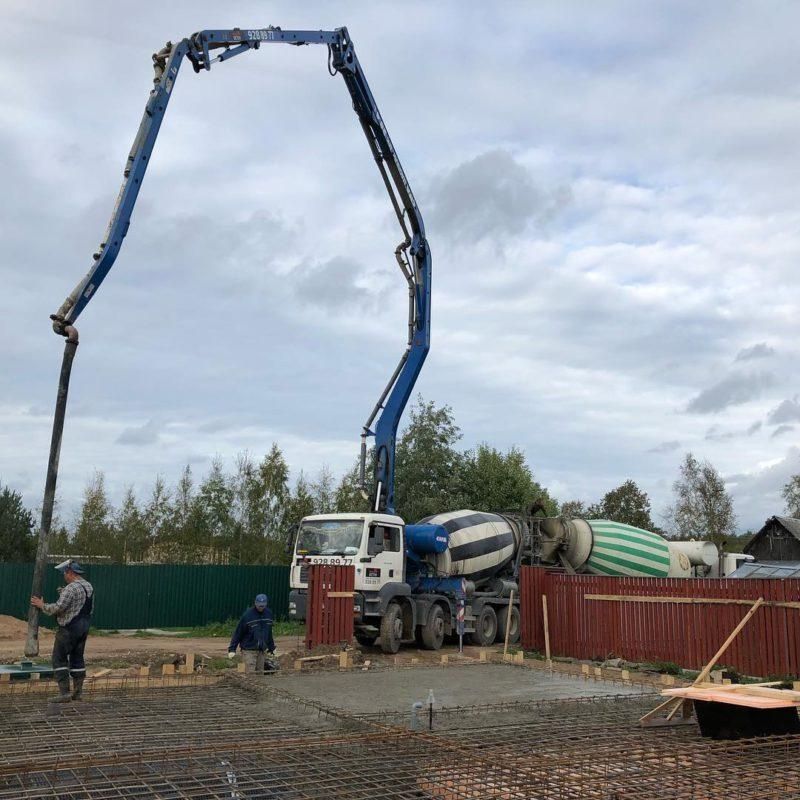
<point x="340" y="537"/>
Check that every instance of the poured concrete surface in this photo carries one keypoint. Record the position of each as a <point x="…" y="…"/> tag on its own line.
<point x="396" y="690"/>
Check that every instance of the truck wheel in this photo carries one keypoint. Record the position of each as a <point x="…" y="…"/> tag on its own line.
<point x="391" y="629"/>
<point x="485" y="627"/>
<point x="502" y="617"/>
<point x="433" y="630"/>
<point x="365" y="641"/>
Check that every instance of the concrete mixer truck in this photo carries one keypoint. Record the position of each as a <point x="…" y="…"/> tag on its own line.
<point x="412" y="580"/>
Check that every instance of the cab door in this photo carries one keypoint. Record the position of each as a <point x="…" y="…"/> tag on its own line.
<point x="385" y="547"/>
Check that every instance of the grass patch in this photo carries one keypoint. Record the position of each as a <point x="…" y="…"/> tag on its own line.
<point x="664" y="667"/>
<point x="100" y="632"/>
<point x="226" y="629"/>
<point x="221" y="663"/>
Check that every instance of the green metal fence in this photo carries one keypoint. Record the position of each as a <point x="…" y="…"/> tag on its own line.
<point x="156" y="595"/>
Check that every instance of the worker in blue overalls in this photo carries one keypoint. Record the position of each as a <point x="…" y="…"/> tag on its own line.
<point x="254" y="635"/>
<point x="73" y="613"/>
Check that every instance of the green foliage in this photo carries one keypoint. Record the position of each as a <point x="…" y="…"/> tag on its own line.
<point x="703" y="509"/>
<point x="428" y="467"/>
<point x="496" y="481"/>
<point x="664" y="667"/>
<point x="17" y="539"/>
<point x="574" y="509"/>
<point x="348" y="493"/>
<point x="93" y="534"/>
<point x="249" y="515"/>
<point x="225" y="629"/>
<point x="627" y="504"/>
<point x="791" y="496"/>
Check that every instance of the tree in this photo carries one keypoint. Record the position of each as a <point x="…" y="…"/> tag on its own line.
<point x="273" y="474"/>
<point x="17" y="538"/>
<point x="628" y="504"/>
<point x="427" y="465"/>
<point x="348" y="495"/>
<point x="495" y="481"/>
<point x="574" y="509"/>
<point x="791" y="495"/>
<point x="215" y="501"/>
<point x="158" y="518"/>
<point x="703" y="509"/>
<point x="324" y="491"/>
<point x="94" y="533"/>
<point x="130" y="529"/>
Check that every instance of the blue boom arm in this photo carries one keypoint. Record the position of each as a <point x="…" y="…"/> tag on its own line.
<point x="412" y="254"/>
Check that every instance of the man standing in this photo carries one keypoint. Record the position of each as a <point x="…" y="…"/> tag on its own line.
<point x="254" y="635"/>
<point x="73" y="612"/>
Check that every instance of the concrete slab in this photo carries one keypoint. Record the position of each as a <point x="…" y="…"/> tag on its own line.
<point x="396" y="690"/>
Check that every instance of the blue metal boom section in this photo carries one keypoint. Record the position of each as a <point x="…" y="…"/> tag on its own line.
<point x="412" y="254"/>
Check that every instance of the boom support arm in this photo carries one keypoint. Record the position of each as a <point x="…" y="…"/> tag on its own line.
<point x="412" y="254"/>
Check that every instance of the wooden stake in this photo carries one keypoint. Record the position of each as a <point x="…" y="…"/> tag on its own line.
<point x="546" y="629"/>
<point x="508" y="621"/>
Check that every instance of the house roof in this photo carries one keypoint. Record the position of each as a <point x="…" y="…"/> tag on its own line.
<point x="789" y="524"/>
<point x="768" y="569"/>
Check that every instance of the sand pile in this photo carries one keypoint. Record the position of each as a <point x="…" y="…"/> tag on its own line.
<point x="13" y="628"/>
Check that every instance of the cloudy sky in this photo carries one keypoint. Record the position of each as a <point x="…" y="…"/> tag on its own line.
<point x="611" y="193"/>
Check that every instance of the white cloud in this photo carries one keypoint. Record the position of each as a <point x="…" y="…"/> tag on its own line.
<point x="603" y="250"/>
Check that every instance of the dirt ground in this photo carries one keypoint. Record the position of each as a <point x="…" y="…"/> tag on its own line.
<point x="120" y="650"/>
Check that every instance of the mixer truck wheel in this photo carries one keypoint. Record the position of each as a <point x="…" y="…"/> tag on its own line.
<point x="433" y="630"/>
<point x="391" y="629"/>
<point x="485" y="627"/>
<point x="502" y="617"/>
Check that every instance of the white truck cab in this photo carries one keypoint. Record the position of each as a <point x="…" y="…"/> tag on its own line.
<point x="372" y="543"/>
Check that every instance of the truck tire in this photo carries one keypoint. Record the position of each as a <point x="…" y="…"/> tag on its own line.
<point x="485" y="627"/>
<point x="391" y="629"/>
<point x="365" y="641"/>
<point x="433" y="630"/>
<point x="502" y="617"/>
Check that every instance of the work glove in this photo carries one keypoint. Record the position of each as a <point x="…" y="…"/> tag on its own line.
<point x="231" y="654"/>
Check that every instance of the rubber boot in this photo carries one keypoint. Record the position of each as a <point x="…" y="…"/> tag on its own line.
<point x="77" y="688"/>
<point x="64" y="695"/>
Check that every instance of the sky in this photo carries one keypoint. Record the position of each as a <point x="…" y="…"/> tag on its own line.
<point x="611" y="193"/>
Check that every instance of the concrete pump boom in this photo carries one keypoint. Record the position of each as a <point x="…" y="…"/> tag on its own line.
<point x="412" y="254"/>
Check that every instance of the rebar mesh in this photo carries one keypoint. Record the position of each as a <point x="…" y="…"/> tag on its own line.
<point x="248" y="738"/>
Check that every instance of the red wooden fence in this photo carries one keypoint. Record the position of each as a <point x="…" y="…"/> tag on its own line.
<point x="685" y="633"/>
<point x="329" y="619"/>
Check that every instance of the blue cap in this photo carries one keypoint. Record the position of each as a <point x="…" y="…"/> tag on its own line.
<point x="261" y="600"/>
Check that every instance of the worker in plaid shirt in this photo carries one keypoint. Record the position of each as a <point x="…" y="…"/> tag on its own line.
<point x="73" y="613"/>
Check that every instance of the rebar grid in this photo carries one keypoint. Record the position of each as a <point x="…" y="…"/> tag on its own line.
<point x="249" y="738"/>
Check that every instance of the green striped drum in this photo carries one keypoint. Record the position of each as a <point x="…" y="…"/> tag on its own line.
<point x="619" y="549"/>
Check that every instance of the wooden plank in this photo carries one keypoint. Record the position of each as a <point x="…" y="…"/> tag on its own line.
<point x="546" y="629"/>
<point x="341" y="594"/>
<point x="734" y="698"/>
<point x="725" y="601"/>
<point x="508" y="621"/>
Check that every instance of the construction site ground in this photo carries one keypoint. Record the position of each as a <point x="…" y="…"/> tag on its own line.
<point x="498" y="732"/>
